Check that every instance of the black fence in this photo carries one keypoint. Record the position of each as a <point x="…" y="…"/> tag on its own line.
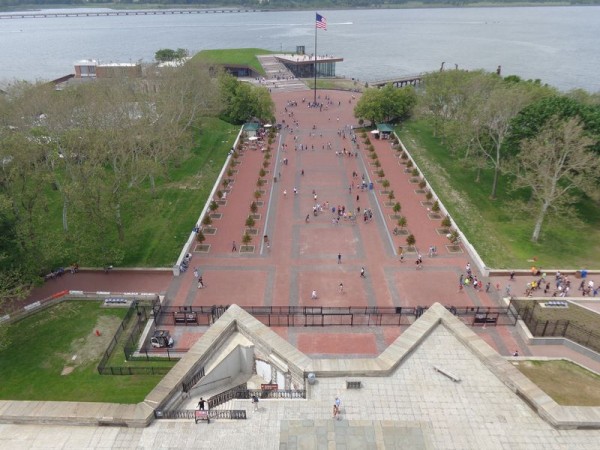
<point x="137" y="314"/>
<point x="560" y="328"/>
<point x="322" y="316"/>
<point x="241" y="392"/>
<point x="234" y="414"/>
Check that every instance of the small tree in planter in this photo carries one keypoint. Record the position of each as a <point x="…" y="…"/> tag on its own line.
<point x="260" y="182"/>
<point x="397" y="208"/>
<point x="409" y="164"/>
<point x="381" y="173"/>
<point x="422" y="184"/>
<point x="236" y="155"/>
<point x="250" y="222"/>
<point x="267" y="156"/>
<point x="410" y="240"/>
<point x="428" y="195"/>
<point x="213" y="206"/>
<point x="402" y="222"/>
<point x="373" y="156"/>
<point x="377" y="163"/>
<point x="230" y="172"/>
<point x="206" y="220"/>
<point x="454" y="237"/>
<point x="436" y="207"/>
<point x="257" y="194"/>
<point x="371" y="148"/>
<point x="446" y="222"/>
<point x="265" y="164"/>
<point x="415" y="172"/>
<point x="404" y="156"/>
<point x="225" y="183"/>
<point x="391" y="195"/>
<point x="200" y="236"/>
<point x="219" y="194"/>
<point x="262" y="172"/>
<point x="253" y="207"/>
<point x="385" y="184"/>
<point x="246" y="239"/>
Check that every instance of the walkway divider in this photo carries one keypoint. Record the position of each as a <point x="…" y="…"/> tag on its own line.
<point x="275" y="171"/>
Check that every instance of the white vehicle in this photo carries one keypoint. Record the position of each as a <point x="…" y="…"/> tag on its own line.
<point x="161" y="339"/>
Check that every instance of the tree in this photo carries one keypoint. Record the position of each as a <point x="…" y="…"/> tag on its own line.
<point x="388" y="104"/>
<point x="243" y="102"/>
<point x="167" y="54"/>
<point x="250" y="222"/>
<point x="553" y="165"/>
<point x="402" y="222"/>
<point x="410" y="240"/>
<point x="397" y="207"/>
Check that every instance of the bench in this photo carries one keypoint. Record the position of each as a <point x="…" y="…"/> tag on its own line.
<point x="200" y="415"/>
<point x="447" y="374"/>
<point x="353" y="385"/>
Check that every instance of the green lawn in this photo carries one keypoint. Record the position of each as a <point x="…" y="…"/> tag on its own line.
<point x="567" y="383"/>
<point x="236" y="56"/>
<point x="43" y="346"/>
<point x="499" y="230"/>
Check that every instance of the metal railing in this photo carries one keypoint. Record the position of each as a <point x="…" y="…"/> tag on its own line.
<point x="231" y="414"/>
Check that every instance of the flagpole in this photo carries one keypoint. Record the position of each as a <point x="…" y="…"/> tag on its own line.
<point x="315" y="101"/>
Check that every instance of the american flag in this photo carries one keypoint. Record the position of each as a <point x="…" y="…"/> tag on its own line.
<point x="321" y="22"/>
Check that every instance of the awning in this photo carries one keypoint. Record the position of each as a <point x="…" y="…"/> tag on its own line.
<point x="375" y="132"/>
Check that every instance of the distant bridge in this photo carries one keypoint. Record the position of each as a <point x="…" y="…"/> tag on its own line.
<point x="165" y="12"/>
<point x="406" y="80"/>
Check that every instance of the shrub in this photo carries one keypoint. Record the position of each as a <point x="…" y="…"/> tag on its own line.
<point x="422" y="184"/>
<point x="381" y="173"/>
<point x="265" y="164"/>
<point x="428" y="195"/>
<point x="246" y="238"/>
<point x="229" y="172"/>
<point x="225" y="183"/>
<point x="373" y="156"/>
<point x="446" y="222"/>
<point x="397" y="208"/>
<point x="402" y="222"/>
<point x="436" y="206"/>
<point x="200" y="236"/>
<point x="410" y="240"/>
<point x="207" y="220"/>
<point x="391" y="195"/>
<point x="213" y="206"/>
<point x="385" y="184"/>
<point x="404" y="155"/>
<point x="219" y="194"/>
<point x="250" y="222"/>
<point x="260" y="182"/>
<point x="262" y="172"/>
<point x="409" y="164"/>
<point x="377" y="163"/>
<point x="415" y="172"/>
<point x="257" y="194"/>
<point x="253" y="207"/>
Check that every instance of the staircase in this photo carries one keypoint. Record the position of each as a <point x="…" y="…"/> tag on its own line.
<point x="277" y="77"/>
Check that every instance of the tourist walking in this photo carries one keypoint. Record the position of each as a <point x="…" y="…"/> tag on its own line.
<point x="362" y="272"/>
<point x="200" y="282"/>
<point x="339" y="258"/>
<point x="341" y="288"/>
<point x="234" y="247"/>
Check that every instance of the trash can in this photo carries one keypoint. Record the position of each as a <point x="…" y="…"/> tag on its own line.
<point x="371" y="186"/>
<point x="312" y="378"/>
<point x="584" y="273"/>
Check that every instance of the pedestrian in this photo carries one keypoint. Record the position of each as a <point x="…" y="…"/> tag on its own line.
<point x="337" y="408"/>
<point x="285" y="193"/>
<point x="234" y="247"/>
<point x="196" y="274"/>
<point x="313" y="295"/>
<point x="341" y="288"/>
<point x="401" y="257"/>
<point x="255" y="402"/>
<point x="487" y="286"/>
<point x="302" y="172"/>
<point x="339" y="258"/>
<point x="201" y="404"/>
<point x="200" y="282"/>
<point x="362" y="272"/>
<point x="357" y="198"/>
<point x="516" y="353"/>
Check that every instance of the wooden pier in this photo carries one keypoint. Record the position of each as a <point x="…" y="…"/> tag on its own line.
<point x="412" y="80"/>
<point x="166" y="12"/>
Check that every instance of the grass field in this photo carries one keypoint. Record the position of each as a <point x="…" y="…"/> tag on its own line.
<point x="498" y="229"/>
<point x="567" y="383"/>
<point x="236" y="56"/>
<point x="54" y="355"/>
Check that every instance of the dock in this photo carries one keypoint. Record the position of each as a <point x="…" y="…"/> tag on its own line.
<point x="51" y="15"/>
